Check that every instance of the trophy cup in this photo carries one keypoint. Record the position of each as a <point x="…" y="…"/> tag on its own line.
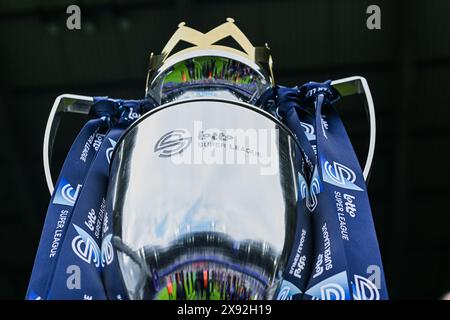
<point x="203" y="189"/>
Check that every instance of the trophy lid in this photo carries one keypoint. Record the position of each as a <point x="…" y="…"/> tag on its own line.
<point x="208" y="68"/>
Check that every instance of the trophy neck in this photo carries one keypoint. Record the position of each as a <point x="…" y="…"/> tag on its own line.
<point x="206" y="74"/>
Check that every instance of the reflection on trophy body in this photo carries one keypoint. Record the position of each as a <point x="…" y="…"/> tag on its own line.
<point x="203" y="189"/>
<point x="207" y="202"/>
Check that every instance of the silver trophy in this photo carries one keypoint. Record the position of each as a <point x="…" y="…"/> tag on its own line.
<point x="203" y="188"/>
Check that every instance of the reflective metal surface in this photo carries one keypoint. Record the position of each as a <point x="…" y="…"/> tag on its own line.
<point x="209" y="73"/>
<point x="203" y="195"/>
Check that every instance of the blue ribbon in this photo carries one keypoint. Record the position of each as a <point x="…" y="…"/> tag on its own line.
<point x="347" y="263"/>
<point x="75" y="215"/>
<point x="296" y="275"/>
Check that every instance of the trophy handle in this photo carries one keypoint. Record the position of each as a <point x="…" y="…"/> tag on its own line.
<point x="82" y="105"/>
<point x="72" y="103"/>
<point x="358" y="85"/>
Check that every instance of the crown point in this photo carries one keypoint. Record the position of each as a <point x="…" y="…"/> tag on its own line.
<point x="230" y="20"/>
<point x="181" y="24"/>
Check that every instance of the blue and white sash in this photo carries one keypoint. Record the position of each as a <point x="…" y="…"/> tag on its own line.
<point x="346" y="261"/>
<point x="63" y="200"/>
<point x="72" y="268"/>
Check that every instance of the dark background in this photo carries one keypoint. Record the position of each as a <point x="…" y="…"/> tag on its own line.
<point x="407" y="65"/>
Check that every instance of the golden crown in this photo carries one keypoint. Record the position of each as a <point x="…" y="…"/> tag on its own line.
<point x="208" y="41"/>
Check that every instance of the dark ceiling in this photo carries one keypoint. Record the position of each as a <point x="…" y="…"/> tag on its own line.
<point x="407" y="64"/>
